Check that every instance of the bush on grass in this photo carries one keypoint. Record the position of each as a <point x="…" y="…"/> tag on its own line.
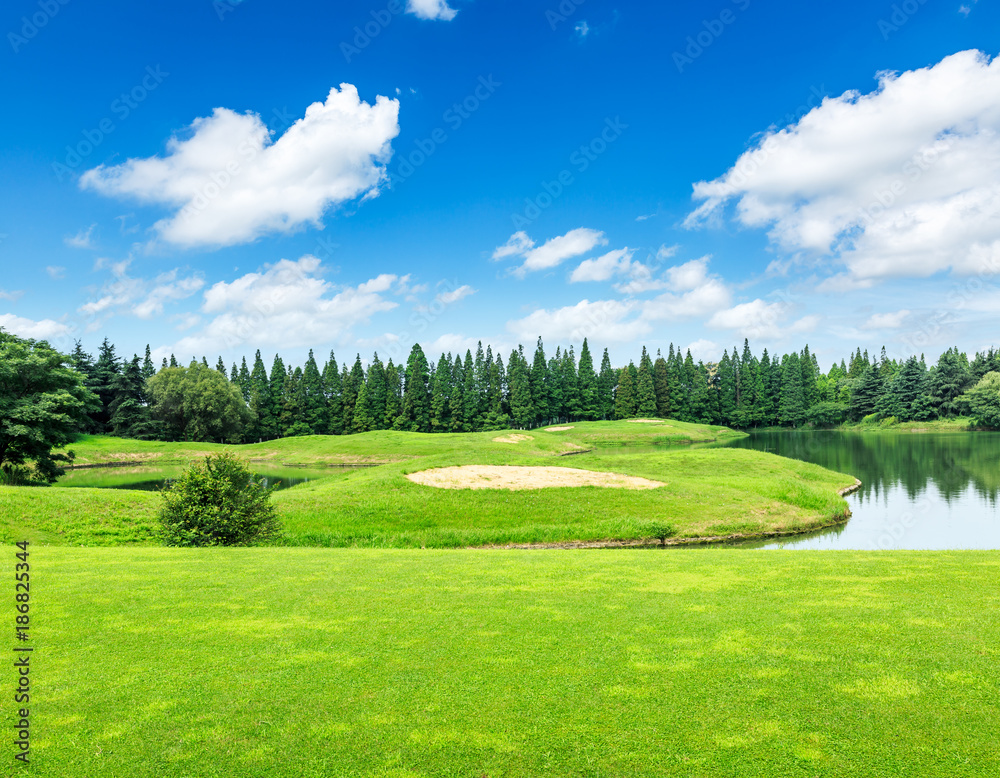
<point x="218" y="502"/>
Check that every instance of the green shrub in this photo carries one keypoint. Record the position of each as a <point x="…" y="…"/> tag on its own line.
<point x="870" y="420"/>
<point x="218" y="502"/>
<point x="890" y="421"/>
<point x="660" y="530"/>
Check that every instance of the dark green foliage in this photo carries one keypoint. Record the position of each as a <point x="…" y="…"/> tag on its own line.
<point x="983" y="401"/>
<point x="645" y="391"/>
<point x="590" y="407"/>
<point x="416" y="411"/>
<point x="43" y="402"/>
<point x="196" y="403"/>
<point x="521" y="407"/>
<point x="106" y="369"/>
<point x="826" y="414"/>
<point x="130" y="416"/>
<point x="949" y="381"/>
<point x="218" y="502"/>
<point x="606" y="380"/>
<point x="626" y="398"/>
<point x="264" y="425"/>
<point x="661" y="386"/>
<point x="791" y="405"/>
<point x="539" y="383"/>
<point x="393" y="396"/>
<point x="314" y="412"/>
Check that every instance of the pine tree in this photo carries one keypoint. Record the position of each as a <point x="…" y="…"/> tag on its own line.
<point x="557" y="399"/>
<point x="791" y="407"/>
<point x="539" y="382"/>
<point x="106" y="369"/>
<point x="700" y="406"/>
<point x="220" y="367"/>
<point x="441" y="395"/>
<point x="377" y="393"/>
<point x="393" y="396"/>
<point x="645" y="391"/>
<point x="333" y="390"/>
<point x="590" y="408"/>
<point x="866" y="392"/>
<point x="362" y="420"/>
<point x="276" y="383"/>
<point x="949" y="380"/>
<point x="572" y="404"/>
<point x="416" y="396"/>
<point x="173" y="361"/>
<point x="456" y="403"/>
<point x="470" y="395"/>
<point x="661" y="386"/>
<point x="351" y="387"/>
<point x="314" y="402"/>
<point x="244" y="380"/>
<point x="148" y="368"/>
<point x="727" y="390"/>
<point x="626" y="400"/>
<point x="606" y="382"/>
<point x="810" y="376"/>
<point x="522" y="408"/>
<point x="264" y="425"/>
<point x="129" y="414"/>
<point x="234" y="374"/>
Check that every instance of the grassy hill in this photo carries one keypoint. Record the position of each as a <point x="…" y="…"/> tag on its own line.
<point x="707" y="492"/>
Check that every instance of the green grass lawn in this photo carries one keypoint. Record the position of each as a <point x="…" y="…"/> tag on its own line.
<point x="708" y="492"/>
<point x="341" y="662"/>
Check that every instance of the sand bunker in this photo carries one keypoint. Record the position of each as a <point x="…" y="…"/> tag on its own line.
<point x="557" y="429"/>
<point x="512" y="438"/>
<point x="516" y="478"/>
<point x="646" y="421"/>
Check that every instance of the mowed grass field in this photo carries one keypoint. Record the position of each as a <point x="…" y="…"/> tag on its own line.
<point x="707" y="492"/>
<point x="356" y="662"/>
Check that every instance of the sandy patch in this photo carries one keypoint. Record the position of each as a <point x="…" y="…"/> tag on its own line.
<point x="517" y="478"/>
<point x="557" y="429"/>
<point x="512" y="438"/>
<point x="645" y="421"/>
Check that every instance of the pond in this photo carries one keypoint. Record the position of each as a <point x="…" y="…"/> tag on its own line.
<point x="933" y="490"/>
<point x="153" y="479"/>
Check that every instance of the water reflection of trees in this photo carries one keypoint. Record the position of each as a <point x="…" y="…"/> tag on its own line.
<point x="951" y="461"/>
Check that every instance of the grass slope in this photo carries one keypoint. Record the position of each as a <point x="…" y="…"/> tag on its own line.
<point x="388" y="446"/>
<point x="710" y="491"/>
<point x="314" y="662"/>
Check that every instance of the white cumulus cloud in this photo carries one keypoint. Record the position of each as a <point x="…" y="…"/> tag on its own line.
<point x="603" y="268"/>
<point x="228" y="181"/>
<point x="431" y="9"/>
<point x="886" y="321"/>
<point x="901" y="182"/>
<point x="285" y="305"/>
<point x="552" y="253"/>
<point x="761" y="320"/>
<point x="615" y="321"/>
<point x="45" y="329"/>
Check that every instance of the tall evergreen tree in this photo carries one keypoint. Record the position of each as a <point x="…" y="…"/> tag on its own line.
<point x="626" y="401"/>
<point x="645" y="391"/>
<point x="314" y="401"/>
<point x="416" y="393"/>
<point x="129" y="412"/>
<point x="243" y="382"/>
<point x="606" y="383"/>
<point x="333" y="390"/>
<point x="661" y="386"/>
<point x="106" y="369"/>
<point x="456" y="403"/>
<point x="363" y="419"/>
<point x="378" y="393"/>
<point x="276" y="383"/>
<point x="590" y="407"/>
<point x="572" y="402"/>
<point x="522" y="408"/>
<point x="393" y="396"/>
<point x="727" y="390"/>
<point x="791" y="406"/>
<point x="441" y="395"/>
<point x="148" y="368"/>
<point x="539" y="381"/>
<point x="865" y="394"/>
<point x="470" y="395"/>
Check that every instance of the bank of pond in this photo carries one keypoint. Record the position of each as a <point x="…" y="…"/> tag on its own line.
<point x="932" y="490"/>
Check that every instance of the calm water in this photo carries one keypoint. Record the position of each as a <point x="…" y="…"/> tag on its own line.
<point x="920" y="490"/>
<point x="155" y="478"/>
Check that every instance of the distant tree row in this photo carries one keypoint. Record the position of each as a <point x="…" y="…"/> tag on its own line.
<point x="480" y="392"/>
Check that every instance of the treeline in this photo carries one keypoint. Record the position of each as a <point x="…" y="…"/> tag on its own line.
<point x="481" y="392"/>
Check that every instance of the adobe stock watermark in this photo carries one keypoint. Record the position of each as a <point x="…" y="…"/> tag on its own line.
<point x="901" y="14"/>
<point x="580" y="161"/>
<point x="370" y="30"/>
<point x="454" y="117"/>
<point x="562" y="12"/>
<point x="32" y="25"/>
<point x="713" y="29"/>
<point x="225" y="7"/>
<point x="121" y="108"/>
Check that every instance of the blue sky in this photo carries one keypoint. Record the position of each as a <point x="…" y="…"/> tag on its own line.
<point x="634" y="173"/>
